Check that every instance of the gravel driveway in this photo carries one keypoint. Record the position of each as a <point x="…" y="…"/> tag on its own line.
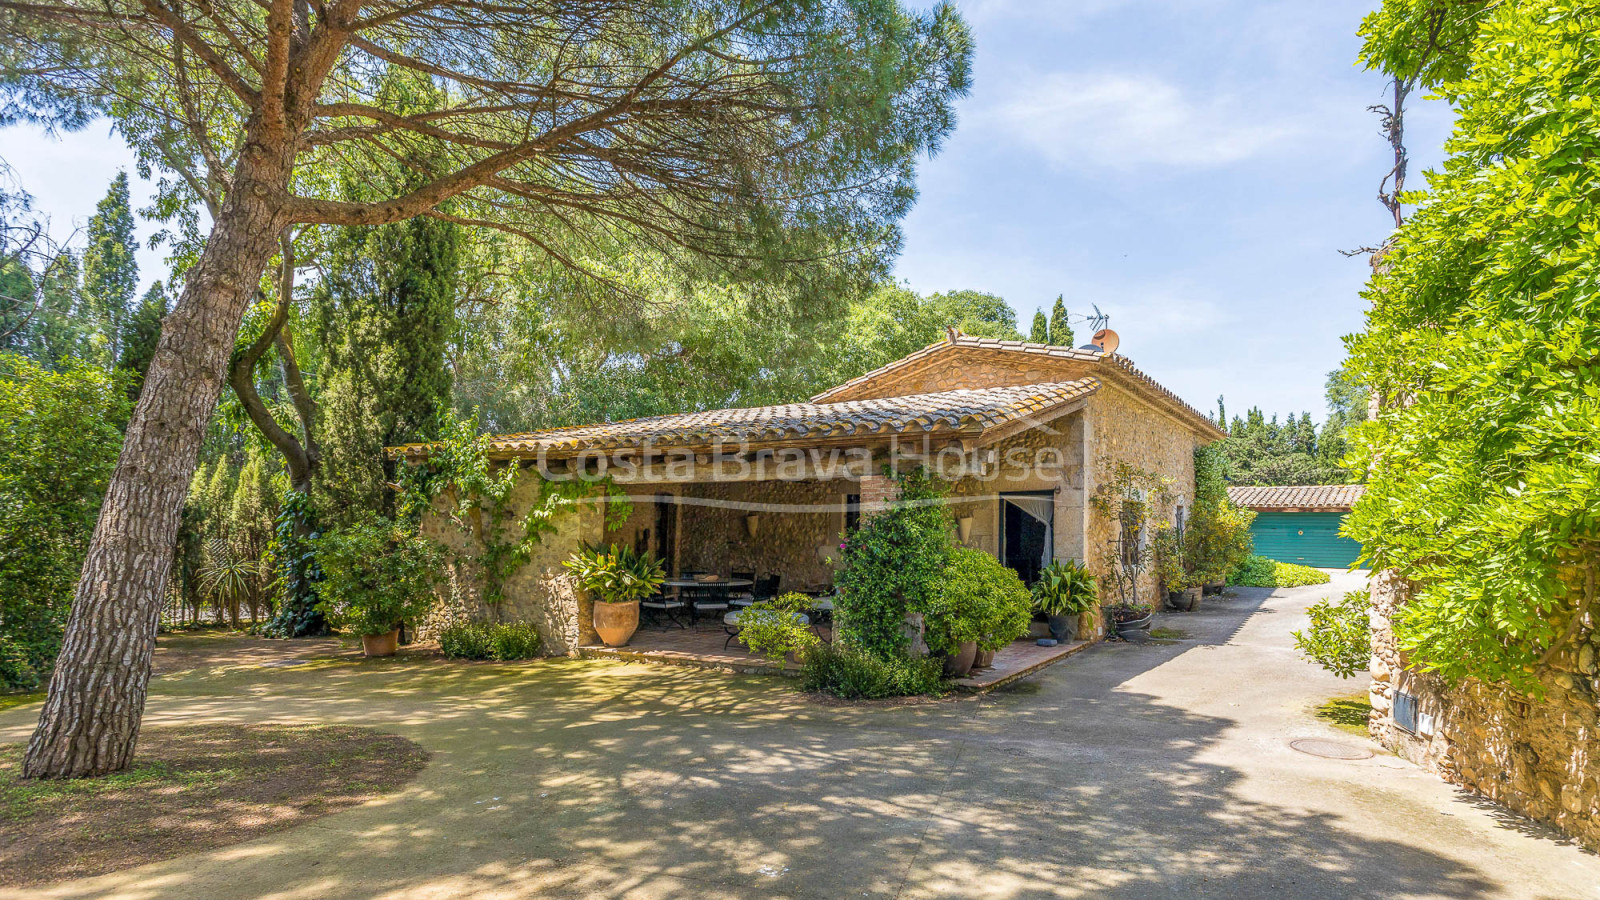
<point x="1158" y="770"/>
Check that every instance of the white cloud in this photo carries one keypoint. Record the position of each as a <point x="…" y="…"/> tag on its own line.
<point x="1121" y="121"/>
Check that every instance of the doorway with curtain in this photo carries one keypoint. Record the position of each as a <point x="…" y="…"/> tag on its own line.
<point x="1027" y="526"/>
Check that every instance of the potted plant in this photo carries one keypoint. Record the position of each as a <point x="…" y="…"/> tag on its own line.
<point x="778" y="628"/>
<point x="1127" y="618"/>
<point x="1065" y="590"/>
<point x="376" y="576"/>
<point x="978" y="601"/>
<point x="1173" y="569"/>
<point x="617" y="578"/>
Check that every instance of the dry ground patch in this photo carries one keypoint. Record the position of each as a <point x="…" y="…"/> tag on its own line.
<point x="191" y="789"/>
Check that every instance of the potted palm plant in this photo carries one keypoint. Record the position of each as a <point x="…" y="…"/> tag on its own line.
<point x="376" y="576"/>
<point x="1064" y="592"/>
<point x="617" y="578"/>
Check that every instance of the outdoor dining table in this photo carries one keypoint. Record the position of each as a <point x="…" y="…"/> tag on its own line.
<point x="722" y="585"/>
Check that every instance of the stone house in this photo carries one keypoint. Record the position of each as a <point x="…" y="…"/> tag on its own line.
<point x="1026" y="433"/>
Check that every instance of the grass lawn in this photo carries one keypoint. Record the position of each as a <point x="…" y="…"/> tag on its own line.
<point x="1346" y="713"/>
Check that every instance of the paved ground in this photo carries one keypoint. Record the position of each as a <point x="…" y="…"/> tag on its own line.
<point x="1127" y="771"/>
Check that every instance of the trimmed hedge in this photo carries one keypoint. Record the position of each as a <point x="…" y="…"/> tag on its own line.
<point x="484" y="640"/>
<point x="1258" y="571"/>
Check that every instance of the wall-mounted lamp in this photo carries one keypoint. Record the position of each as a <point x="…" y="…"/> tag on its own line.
<point x="752" y="523"/>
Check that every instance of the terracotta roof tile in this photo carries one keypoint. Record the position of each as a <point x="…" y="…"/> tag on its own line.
<point x="965" y="411"/>
<point x="966" y="341"/>
<point x="1308" y="497"/>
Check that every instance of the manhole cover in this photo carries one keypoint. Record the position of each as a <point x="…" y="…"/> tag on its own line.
<point x="1330" y="749"/>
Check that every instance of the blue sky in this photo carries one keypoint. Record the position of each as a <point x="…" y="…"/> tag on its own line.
<point x="1191" y="166"/>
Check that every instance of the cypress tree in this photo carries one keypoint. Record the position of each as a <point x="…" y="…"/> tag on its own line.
<point x="383" y="316"/>
<point x="1060" y="329"/>
<point x="1041" y="329"/>
<point x="110" y="274"/>
<point x="139" y="342"/>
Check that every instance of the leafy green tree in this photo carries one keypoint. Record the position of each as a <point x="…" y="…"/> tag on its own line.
<point x="140" y="337"/>
<point x="1485" y="455"/>
<point x="58" y="444"/>
<point x="58" y="334"/>
<point x="975" y="313"/>
<point x="1262" y="451"/>
<point x="1040" y="333"/>
<point x="775" y="142"/>
<point x="1060" y="326"/>
<point x="110" y="273"/>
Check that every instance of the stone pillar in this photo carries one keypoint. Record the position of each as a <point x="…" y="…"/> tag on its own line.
<point x="1071" y="526"/>
<point x="876" y="493"/>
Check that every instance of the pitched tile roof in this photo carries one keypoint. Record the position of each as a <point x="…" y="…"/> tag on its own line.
<point x="966" y="341"/>
<point x="1298" y="498"/>
<point x="971" y="412"/>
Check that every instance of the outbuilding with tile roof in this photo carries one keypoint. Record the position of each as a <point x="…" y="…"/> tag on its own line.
<point x="1301" y="523"/>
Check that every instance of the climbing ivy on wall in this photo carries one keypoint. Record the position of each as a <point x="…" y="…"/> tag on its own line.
<point x="1481" y="344"/>
<point x="892" y="564"/>
<point x="1140" y="502"/>
<point x="459" y="480"/>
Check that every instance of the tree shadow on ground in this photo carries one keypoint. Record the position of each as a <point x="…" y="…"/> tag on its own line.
<point x="590" y="778"/>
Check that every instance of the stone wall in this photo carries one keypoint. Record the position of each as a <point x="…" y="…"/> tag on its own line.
<point x="973" y="369"/>
<point x="540" y="593"/>
<point x="1538" y="756"/>
<point x="794" y="539"/>
<point x="1127" y="429"/>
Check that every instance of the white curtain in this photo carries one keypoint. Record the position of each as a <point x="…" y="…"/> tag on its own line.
<point x="1043" y="509"/>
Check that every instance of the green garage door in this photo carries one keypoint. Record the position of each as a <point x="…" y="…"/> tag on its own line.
<point x="1310" y="539"/>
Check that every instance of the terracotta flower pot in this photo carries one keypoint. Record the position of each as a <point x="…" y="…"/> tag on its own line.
<point x="958" y="664"/>
<point x="380" y="644"/>
<point x="983" y="660"/>
<point x="616" y="622"/>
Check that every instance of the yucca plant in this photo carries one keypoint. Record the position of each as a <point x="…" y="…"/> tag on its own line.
<point x="616" y="574"/>
<point x="227" y="576"/>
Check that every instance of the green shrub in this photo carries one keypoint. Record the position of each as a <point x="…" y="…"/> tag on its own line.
<point x="1258" y="571"/>
<point x="1216" y="539"/>
<point x="1340" y="636"/>
<point x="892" y="565"/>
<point x="487" y="640"/>
<point x="978" y="599"/>
<point x="58" y="444"/>
<point x="855" y="675"/>
<point x="773" y="628"/>
<point x="376" y="575"/>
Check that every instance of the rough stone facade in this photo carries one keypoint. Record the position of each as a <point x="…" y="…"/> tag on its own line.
<point x="1128" y="430"/>
<point x="1065" y="452"/>
<point x="1538" y="756"/>
<point x="795" y="539"/>
<point x="540" y="593"/>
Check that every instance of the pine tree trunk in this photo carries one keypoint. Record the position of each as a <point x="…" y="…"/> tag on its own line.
<point x="91" y="718"/>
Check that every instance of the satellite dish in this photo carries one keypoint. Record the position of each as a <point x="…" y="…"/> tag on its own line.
<point x="1107" y="341"/>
